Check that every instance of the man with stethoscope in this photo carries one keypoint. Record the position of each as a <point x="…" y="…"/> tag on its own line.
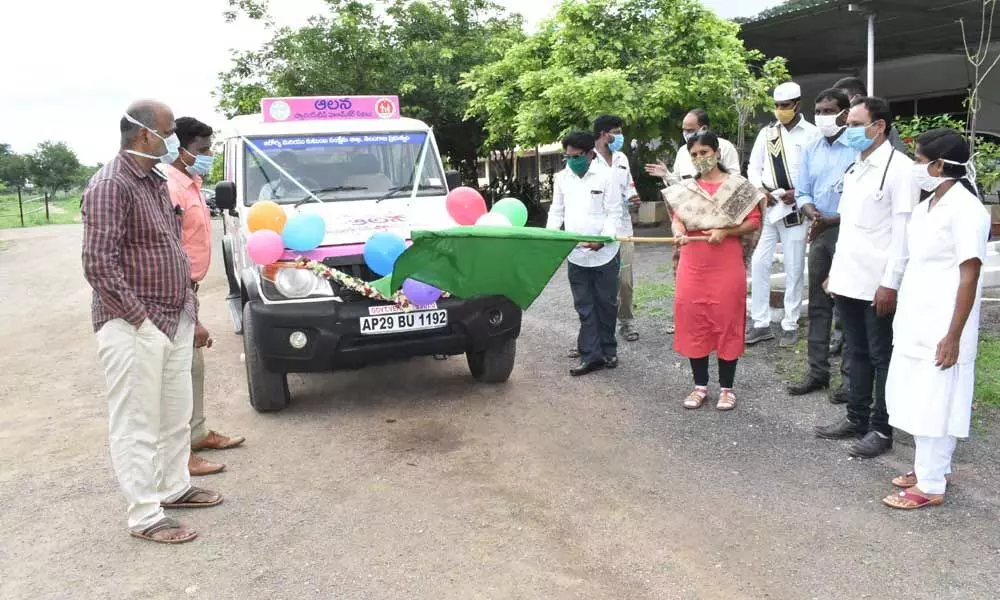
<point x="878" y="197"/>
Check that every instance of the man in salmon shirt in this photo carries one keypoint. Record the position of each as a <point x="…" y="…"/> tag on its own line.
<point x="184" y="183"/>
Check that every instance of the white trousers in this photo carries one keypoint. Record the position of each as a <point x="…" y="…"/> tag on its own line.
<point x="198" y="427"/>
<point x="793" y="245"/>
<point x="149" y="408"/>
<point x="932" y="462"/>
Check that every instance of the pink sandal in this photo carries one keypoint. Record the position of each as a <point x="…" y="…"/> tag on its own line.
<point x="727" y="400"/>
<point x="696" y="398"/>
<point x="909" y="499"/>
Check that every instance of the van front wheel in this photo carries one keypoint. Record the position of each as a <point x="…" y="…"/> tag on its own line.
<point x="268" y="390"/>
<point x="494" y="364"/>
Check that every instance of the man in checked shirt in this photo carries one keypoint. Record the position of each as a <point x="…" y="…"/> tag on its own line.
<point x="144" y="316"/>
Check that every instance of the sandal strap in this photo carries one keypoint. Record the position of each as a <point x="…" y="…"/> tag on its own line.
<point x="913" y="497"/>
<point x="161" y="525"/>
<point x="187" y="496"/>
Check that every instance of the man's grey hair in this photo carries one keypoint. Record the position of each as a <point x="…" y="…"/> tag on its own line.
<point x="144" y="113"/>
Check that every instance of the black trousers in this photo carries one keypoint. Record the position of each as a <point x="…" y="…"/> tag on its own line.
<point x="595" y="297"/>
<point x="868" y="338"/>
<point x="821" y="309"/>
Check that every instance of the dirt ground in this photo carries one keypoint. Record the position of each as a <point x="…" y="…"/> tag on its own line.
<point x="409" y="481"/>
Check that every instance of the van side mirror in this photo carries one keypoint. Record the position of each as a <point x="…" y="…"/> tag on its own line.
<point x="225" y="195"/>
<point x="453" y="178"/>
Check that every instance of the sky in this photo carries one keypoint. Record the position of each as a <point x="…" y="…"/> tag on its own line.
<point x="71" y="68"/>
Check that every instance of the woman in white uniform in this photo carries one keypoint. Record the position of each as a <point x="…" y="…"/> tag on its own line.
<point x="936" y="329"/>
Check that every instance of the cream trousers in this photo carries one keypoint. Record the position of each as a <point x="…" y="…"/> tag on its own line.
<point x="149" y="407"/>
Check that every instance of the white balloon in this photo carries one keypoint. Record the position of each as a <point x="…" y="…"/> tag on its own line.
<point x="494" y="220"/>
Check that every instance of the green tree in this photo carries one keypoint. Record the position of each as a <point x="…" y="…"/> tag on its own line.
<point x="54" y="167"/>
<point x="649" y="61"/>
<point x="419" y="52"/>
<point x="14" y="168"/>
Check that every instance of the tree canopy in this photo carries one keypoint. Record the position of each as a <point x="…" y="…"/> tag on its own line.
<point x="649" y="61"/>
<point x="54" y="167"/>
<point x="417" y="49"/>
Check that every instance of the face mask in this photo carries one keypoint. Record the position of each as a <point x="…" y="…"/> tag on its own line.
<point x="705" y="165"/>
<point x="202" y="164"/>
<point x="171" y="145"/>
<point x="970" y="170"/>
<point x="827" y="124"/>
<point x="785" y="115"/>
<point x="690" y="134"/>
<point x="855" y="138"/>
<point x="924" y="179"/>
<point x="579" y="164"/>
<point x="617" y="142"/>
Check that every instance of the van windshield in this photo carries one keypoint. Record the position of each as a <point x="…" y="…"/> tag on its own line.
<point x="338" y="167"/>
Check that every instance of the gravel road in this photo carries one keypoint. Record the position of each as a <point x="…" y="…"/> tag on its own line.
<point x="410" y="482"/>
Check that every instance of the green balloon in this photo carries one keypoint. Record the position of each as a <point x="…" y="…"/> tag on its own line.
<point x="513" y="209"/>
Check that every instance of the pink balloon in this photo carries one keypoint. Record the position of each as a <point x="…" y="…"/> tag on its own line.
<point x="265" y="247"/>
<point x="465" y="205"/>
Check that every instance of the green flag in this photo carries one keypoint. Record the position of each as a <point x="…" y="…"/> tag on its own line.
<point x="485" y="261"/>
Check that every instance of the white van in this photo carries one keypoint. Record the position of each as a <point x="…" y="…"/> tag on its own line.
<point x="363" y="168"/>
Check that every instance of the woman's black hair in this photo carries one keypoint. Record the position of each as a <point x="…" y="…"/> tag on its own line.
<point x="706" y="139"/>
<point x="949" y="145"/>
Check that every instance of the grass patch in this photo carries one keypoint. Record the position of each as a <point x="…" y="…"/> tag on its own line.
<point x="987" y="391"/>
<point x="63" y="210"/>
<point x="793" y="363"/>
<point x="652" y="298"/>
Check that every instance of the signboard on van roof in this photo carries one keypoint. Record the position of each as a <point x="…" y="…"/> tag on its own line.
<point x="328" y="108"/>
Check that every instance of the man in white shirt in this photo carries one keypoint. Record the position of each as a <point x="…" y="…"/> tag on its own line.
<point x="586" y="200"/>
<point x="879" y="196"/>
<point x="774" y="166"/>
<point x="608" y="144"/>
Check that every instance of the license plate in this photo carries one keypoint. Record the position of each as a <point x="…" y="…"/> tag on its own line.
<point x="403" y="322"/>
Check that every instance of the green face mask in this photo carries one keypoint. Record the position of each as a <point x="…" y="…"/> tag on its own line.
<point x="579" y="164"/>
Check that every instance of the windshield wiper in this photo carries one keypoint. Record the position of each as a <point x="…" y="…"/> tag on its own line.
<point x="400" y="188"/>
<point x="334" y="188"/>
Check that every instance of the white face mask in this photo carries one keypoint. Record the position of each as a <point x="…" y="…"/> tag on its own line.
<point x="827" y="124"/>
<point x="690" y="134"/>
<point x="924" y="179"/>
<point x="171" y="144"/>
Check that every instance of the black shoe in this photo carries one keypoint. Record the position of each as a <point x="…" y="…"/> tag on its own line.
<point x="586" y="368"/>
<point x="841" y="430"/>
<point x="808" y="386"/>
<point x="841" y="396"/>
<point x="611" y="363"/>
<point x="870" y="446"/>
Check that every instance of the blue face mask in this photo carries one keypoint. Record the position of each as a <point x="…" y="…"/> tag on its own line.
<point x="617" y="143"/>
<point x="202" y="164"/>
<point x="855" y="138"/>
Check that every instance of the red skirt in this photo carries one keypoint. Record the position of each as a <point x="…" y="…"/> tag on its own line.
<point x="710" y="299"/>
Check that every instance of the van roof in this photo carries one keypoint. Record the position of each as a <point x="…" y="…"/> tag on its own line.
<point x="254" y="125"/>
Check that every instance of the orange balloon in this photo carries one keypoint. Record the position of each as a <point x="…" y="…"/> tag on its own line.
<point x="266" y="215"/>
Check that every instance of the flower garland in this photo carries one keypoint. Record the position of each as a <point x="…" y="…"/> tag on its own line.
<point x="356" y="285"/>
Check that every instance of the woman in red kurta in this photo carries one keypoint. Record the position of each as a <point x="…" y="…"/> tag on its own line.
<point x="710" y="299"/>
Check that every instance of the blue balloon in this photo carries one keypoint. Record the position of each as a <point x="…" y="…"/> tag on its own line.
<point x="381" y="251"/>
<point x="304" y="232"/>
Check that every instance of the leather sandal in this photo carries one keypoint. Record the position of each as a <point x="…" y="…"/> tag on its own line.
<point x="910" y="479"/>
<point x="696" y="398"/>
<point x="164" y="524"/>
<point x="912" y="498"/>
<point x="188" y="499"/>
<point x="727" y="400"/>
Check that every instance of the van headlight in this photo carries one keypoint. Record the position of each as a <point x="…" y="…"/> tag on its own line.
<point x="293" y="284"/>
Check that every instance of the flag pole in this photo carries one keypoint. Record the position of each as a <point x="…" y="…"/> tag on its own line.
<point x="660" y="240"/>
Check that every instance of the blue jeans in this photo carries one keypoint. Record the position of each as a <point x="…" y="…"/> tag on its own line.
<point x="595" y="297"/>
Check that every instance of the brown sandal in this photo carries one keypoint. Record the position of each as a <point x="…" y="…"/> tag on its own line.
<point x="912" y="498"/>
<point x="164" y="524"/>
<point x="910" y="479"/>
<point x="696" y="398"/>
<point x="727" y="400"/>
<point x="187" y="499"/>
